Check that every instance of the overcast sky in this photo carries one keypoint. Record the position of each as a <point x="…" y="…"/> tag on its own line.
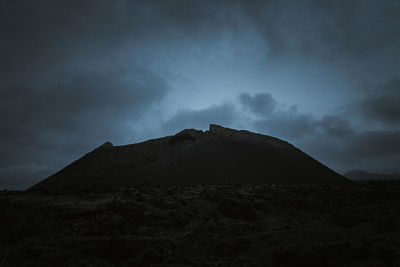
<point x="322" y="74"/>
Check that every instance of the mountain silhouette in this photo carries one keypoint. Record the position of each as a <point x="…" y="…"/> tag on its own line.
<point x="217" y="156"/>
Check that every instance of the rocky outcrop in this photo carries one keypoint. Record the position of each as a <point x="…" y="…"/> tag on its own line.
<point x="217" y="129"/>
<point x="186" y="135"/>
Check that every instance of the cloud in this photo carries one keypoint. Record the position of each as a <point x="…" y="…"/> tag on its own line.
<point x="369" y="150"/>
<point x="57" y="33"/>
<point x="77" y="73"/>
<point x="78" y="99"/>
<point x="335" y="126"/>
<point x="331" y="139"/>
<point x="382" y="105"/>
<point x="291" y="125"/>
<point x="375" y="144"/>
<point x="223" y="114"/>
<point x="55" y="119"/>
<point x="275" y="120"/>
<point x="260" y="104"/>
<point x="259" y="112"/>
<point x="327" y="28"/>
<point x="18" y="177"/>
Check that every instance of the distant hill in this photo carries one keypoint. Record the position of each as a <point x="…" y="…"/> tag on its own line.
<point x="217" y="156"/>
<point x="364" y="175"/>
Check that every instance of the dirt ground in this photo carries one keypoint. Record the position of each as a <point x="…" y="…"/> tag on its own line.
<point x="239" y="225"/>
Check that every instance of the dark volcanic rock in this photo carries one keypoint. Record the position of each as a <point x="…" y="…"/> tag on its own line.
<point x="4" y="203"/>
<point x="204" y="225"/>
<point x="237" y="209"/>
<point x="185" y="135"/>
<point x="217" y="156"/>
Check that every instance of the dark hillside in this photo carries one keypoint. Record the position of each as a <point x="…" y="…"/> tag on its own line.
<point x="217" y="156"/>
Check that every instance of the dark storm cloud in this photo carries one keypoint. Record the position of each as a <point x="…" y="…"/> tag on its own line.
<point x="382" y="105"/>
<point x="376" y="143"/>
<point x="369" y="150"/>
<point x="335" y="126"/>
<point x="333" y="140"/>
<point x="37" y="30"/>
<point x="286" y="123"/>
<point x="327" y="28"/>
<point x="77" y="98"/>
<point x="71" y="113"/>
<point x="260" y="104"/>
<point x="17" y="177"/>
<point x="68" y="79"/>
<point x="77" y="73"/>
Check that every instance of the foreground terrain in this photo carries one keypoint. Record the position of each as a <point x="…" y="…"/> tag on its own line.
<point x="236" y="225"/>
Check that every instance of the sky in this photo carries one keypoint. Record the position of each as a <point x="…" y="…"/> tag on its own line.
<point x="321" y="74"/>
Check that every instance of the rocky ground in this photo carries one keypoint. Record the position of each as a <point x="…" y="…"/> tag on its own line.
<point x="241" y="225"/>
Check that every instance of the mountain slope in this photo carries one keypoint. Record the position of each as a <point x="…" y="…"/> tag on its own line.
<point x="217" y="156"/>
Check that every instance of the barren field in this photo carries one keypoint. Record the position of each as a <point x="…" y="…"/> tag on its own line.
<point x="235" y="225"/>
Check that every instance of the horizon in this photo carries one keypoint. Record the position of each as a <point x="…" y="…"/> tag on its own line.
<point x="321" y="75"/>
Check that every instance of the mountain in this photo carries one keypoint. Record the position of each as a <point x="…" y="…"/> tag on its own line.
<point x="364" y="175"/>
<point x="217" y="156"/>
